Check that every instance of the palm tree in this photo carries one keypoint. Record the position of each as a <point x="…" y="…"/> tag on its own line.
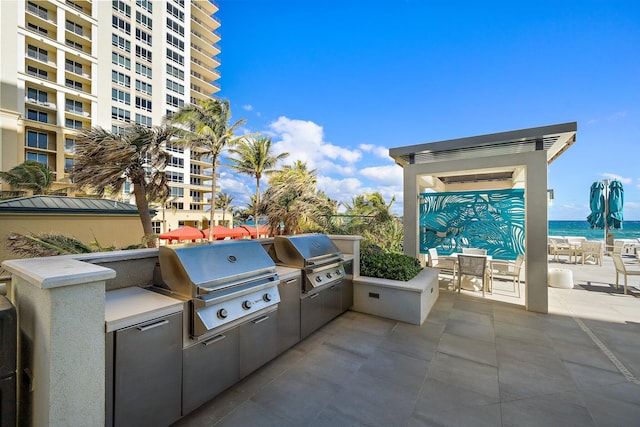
<point x="205" y="127"/>
<point x="291" y="198"/>
<point x="106" y="160"/>
<point x="254" y="158"/>
<point x="30" y="175"/>
<point x="223" y="201"/>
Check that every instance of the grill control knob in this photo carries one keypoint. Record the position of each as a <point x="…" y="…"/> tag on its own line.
<point x="328" y="275"/>
<point x="222" y="313"/>
<point x="318" y="279"/>
<point x="246" y="304"/>
<point x="266" y="297"/>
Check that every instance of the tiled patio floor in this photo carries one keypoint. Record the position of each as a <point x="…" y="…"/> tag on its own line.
<point x="474" y="362"/>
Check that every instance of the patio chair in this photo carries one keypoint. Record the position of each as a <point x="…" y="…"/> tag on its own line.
<point x="593" y="250"/>
<point x="622" y="268"/>
<point x="473" y="265"/>
<point x="558" y="249"/>
<point x="445" y="264"/>
<point x="474" y="251"/>
<point x="510" y="269"/>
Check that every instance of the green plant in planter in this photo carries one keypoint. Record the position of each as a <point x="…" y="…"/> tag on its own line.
<point x="376" y="262"/>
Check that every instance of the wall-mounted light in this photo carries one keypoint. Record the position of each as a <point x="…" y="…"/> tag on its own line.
<point x="550" y="196"/>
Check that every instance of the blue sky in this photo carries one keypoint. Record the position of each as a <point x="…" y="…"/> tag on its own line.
<point x="338" y="83"/>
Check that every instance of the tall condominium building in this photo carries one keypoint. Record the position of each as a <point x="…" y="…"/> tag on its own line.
<point x="68" y="65"/>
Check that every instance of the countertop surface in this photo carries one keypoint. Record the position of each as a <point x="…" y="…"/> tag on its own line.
<point x="130" y="306"/>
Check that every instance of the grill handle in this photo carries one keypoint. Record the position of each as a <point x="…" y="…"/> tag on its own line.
<point x="263" y="277"/>
<point x="153" y="325"/>
<point x="324" y="266"/>
<point x="260" y="320"/>
<point x="323" y="259"/>
<point x="214" y="339"/>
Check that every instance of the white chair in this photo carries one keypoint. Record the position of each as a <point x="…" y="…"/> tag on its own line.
<point x="558" y="249"/>
<point x="591" y="250"/>
<point x="473" y="265"/>
<point x="510" y="269"/>
<point x="474" y="251"/>
<point x="622" y="268"/>
<point x="445" y="264"/>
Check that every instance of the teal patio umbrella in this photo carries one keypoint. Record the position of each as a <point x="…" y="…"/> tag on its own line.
<point x="616" y="201"/>
<point x="596" y="203"/>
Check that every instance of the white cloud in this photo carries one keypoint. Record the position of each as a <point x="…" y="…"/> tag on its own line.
<point x="247" y="107"/>
<point x="377" y="150"/>
<point x="617" y="115"/>
<point x="618" y="177"/>
<point x="304" y="141"/>
<point x="389" y="175"/>
<point x="342" y="190"/>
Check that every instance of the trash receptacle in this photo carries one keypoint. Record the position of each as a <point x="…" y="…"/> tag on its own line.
<point x="8" y="356"/>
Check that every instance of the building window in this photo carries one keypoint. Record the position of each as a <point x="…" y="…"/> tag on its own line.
<point x="37" y="29"/>
<point x="73" y="124"/>
<point x="37" y="140"/>
<point x="175" y="12"/>
<point x="121" y="42"/>
<point x="176" y="161"/>
<point x="37" y="53"/>
<point x="143" y="70"/>
<point x="175" y="176"/>
<point x="177" y="191"/>
<point x="143" y="120"/>
<point x="120" y="60"/>
<point x="37" y="157"/>
<point x="175" y="101"/>
<point x="73" y="106"/>
<point x="37" y="96"/>
<point x="37" y="72"/>
<point x="195" y="207"/>
<point x="73" y="84"/>
<point x="144" y="20"/>
<point x="143" y="104"/>
<point x="120" y="114"/>
<point x="175" y="56"/>
<point x="69" y="145"/>
<point x="143" y="87"/>
<point x="176" y="87"/>
<point x="175" y="71"/>
<point x="143" y="36"/>
<point x="38" y="116"/>
<point x="122" y="7"/>
<point x="174" y="148"/>
<point x="68" y="165"/>
<point x="118" y="130"/>
<point x="73" y="27"/>
<point x="74" y="45"/>
<point x="145" y="4"/>
<point x="156" y="227"/>
<point x="120" y="78"/>
<point x="121" y="96"/>
<point x="120" y="24"/>
<point x="175" y="41"/>
<point x="74" y="5"/>
<point x="175" y="26"/>
<point x="38" y="10"/>
<point x="143" y="53"/>
<point x="73" y="66"/>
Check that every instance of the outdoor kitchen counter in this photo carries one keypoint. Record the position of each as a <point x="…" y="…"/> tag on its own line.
<point x="286" y="272"/>
<point x="130" y="306"/>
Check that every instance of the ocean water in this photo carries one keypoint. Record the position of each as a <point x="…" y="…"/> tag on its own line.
<point x="630" y="230"/>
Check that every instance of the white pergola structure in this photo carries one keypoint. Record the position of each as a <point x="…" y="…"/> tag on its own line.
<point x="505" y="160"/>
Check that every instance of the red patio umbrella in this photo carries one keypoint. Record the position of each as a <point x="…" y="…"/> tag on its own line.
<point x="221" y="232"/>
<point x="182" y="233"/>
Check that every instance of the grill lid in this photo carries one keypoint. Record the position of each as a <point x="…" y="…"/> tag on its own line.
<point x="189" y="270"/>
<point x="304" y="250"/>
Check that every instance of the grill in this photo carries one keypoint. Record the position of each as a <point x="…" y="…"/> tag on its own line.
<point x="225" y="282"/>
<point x="316" y="255"/>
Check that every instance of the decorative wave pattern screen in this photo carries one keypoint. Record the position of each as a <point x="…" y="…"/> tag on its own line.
<point x="491" y="220"/>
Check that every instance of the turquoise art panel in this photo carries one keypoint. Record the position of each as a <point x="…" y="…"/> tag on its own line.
<point x="491" y="220"/>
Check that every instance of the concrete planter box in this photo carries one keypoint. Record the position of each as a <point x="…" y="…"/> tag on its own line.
<point x="408" y="302"/>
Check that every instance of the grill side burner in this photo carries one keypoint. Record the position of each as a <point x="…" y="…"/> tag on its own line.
<point x="226" y="282"/>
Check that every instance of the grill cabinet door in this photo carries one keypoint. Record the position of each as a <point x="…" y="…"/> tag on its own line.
<point x="311" y="317"/>
<point x="208" y="368"/>
<point x="332" y="302"/>
<point x="148" y="373"/>
<point x="258" y="342"/>
<point x="289" y="313"/>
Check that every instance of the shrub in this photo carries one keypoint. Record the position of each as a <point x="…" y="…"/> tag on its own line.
<point x="375" y="262"/>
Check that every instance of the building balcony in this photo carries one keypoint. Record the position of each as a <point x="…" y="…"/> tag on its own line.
<point x="44" y="104"/>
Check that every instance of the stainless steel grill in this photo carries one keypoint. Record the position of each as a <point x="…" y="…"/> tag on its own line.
<point x="226" y="282"/>
<point x="316" y="255"/>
